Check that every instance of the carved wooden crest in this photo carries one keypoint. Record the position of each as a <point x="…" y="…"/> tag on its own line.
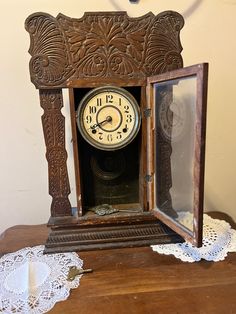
<point x="105" y="44"/>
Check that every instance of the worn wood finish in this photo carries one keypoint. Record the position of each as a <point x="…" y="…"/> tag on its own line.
<point x="143" y="199"/>
<point x="140" y="281"/>
<point x="119" y="230"/>
<point x="75" y="153"/>
<point x="115" y="235"/>
<point x="156" y="142"/>
<point x="54" y="134"/>
<point x="200" y="138"/>
<point x="102" y="44"/>
<point x="100" y="48"/>
<point x="201" y="73"/>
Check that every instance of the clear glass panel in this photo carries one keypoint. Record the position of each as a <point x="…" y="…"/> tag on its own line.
<point x="175" y="113"/>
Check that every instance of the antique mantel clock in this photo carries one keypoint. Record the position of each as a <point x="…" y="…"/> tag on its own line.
<point x="138" y="129"/>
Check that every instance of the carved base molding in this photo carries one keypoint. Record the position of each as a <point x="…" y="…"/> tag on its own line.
<point x="109" y="237"/>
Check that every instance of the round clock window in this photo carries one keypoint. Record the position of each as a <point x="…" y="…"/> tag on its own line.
<point x="108" y="117"/>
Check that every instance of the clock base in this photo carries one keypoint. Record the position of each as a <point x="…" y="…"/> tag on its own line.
<point x="86" y="238"/>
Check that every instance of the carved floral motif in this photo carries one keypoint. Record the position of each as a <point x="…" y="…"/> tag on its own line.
<point x="49" y="65"/>
<point x="107" y="44"/>
<point x="54" y="134"/>
<point x="163" y="44"/>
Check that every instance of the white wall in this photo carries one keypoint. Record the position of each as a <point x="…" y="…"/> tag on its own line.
<point x="208" y="35"/>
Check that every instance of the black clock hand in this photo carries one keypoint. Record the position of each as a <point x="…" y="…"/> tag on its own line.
<point x="108" y="119"/>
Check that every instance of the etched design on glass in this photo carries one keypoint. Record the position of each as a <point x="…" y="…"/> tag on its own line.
<point x="175" y="122"/>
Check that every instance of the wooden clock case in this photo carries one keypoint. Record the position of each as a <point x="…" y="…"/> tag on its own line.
<point x="99" y="49"/>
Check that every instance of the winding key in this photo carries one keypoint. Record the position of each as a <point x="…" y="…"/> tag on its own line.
<point x="74" y="271"/>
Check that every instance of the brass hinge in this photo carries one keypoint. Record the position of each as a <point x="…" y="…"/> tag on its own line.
<point x="148" y="178"/>
<point x="147" y="112"/>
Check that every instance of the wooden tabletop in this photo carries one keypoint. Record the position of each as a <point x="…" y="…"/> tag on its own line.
<point x="138" y="280"/>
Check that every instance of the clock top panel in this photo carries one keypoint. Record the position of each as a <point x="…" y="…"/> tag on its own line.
<point x="102" y="45"/>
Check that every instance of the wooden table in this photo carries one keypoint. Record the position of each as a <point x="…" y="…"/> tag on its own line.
<point x="139" y="280"/>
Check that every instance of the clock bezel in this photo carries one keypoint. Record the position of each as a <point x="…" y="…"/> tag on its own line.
<point x="96" y="91"/>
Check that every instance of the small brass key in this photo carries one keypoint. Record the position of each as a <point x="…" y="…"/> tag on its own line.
<point x="74" y="271"/>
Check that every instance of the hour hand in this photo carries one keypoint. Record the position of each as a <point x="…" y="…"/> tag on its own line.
<point x="108" y="119"/>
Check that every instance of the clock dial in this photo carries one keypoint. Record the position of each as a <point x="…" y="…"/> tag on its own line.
<point x="108" y="117"/>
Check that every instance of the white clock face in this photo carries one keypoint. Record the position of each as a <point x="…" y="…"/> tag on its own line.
<point x="108" y="118"/>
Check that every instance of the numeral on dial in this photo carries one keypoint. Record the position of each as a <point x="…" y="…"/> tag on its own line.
<point x="129" y="118"/>
<point x="119" y="135"/>
<point x="92" y="109"/>
<point x="109" y="98"/>
<point x="88" y="119"/>
<point x="99" y="102"/>
<point x="126" y="107"/>
<point x="109" y="137"/>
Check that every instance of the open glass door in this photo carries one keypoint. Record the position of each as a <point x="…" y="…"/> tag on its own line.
<point x="176" y="149"/>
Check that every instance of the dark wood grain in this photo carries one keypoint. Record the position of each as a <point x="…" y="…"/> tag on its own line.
<point x="54" y="134"/>
<point x="18" y="237"/>
<point x="102" y="45"/>
<point x="200" y="71"/>
<point x="75" y="152"/>
<point x="97" y="49"/>
<point x="140" y="281"/>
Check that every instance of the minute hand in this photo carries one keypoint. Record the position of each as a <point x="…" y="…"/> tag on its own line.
<point x="108" y="119"/>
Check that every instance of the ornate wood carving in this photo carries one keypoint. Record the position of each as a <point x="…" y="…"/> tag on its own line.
<point x="105" y="237"/>
<point x="106" y="44"/>
<point x="54" y="133"/>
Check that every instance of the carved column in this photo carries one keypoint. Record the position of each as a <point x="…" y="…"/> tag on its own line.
<point x="54" y="134"/>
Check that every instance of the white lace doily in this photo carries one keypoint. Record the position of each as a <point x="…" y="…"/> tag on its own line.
<point x="31" y="282"/>
<point x="218" y="239"/>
